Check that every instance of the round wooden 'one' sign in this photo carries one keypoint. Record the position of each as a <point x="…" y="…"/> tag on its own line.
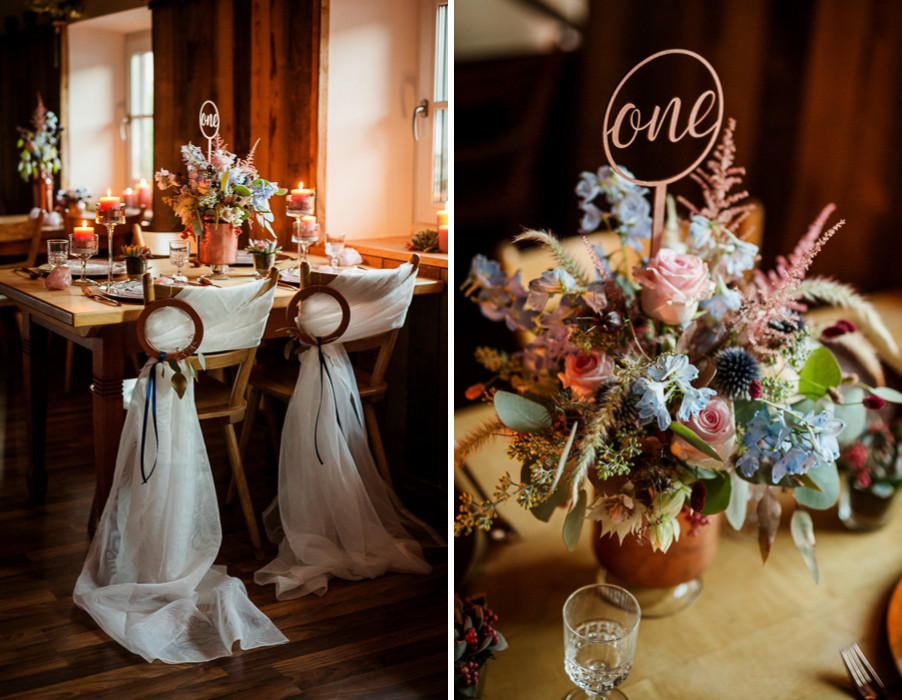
<point x="655" y="124"/>
<point x="209" y="120"/>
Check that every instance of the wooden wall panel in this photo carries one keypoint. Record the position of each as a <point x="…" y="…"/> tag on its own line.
<point x="260" y="64"/>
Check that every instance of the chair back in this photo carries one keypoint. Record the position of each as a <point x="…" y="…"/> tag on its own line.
<point x="22" y="238"/>
<point x="225" y="325"/>
<point x="157" y="241"/>
<point x="381" y="344"/>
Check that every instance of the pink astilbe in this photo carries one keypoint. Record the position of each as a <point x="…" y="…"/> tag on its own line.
<point x="721" y="176"/>
<point x="247" y="163"/>
<point x="597" y="262"/>
<point x="39" y="116"/>
<point x="770" y="303"/>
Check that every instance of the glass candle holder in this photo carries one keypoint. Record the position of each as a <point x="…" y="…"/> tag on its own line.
<point x="110" y="212"/>
<point x="84" y="247"/>
<point x="304" y="232"/>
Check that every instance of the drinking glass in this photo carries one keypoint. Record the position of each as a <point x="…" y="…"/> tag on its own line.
<point x="57" y="251"/>
<point x="305" y="233"/>
<point x="601" y="622"/>
<point x="179" y="251"/>
<point x="84" y="247"/>
<point x="335" y="243"/>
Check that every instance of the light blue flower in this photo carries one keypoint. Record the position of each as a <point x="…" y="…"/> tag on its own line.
<point x="635" y="222"/>
<point x="557" y="281"/>
<point x="694" y="400"/>
<point x="591" y="218"/>
<point x="739" y="256"/>
<point x="699" y="232"/>
<point x="749" y="462"/>
<point x="653" y="403"/>
<point x="724" y="300"/>
<point x="674" y="368"/>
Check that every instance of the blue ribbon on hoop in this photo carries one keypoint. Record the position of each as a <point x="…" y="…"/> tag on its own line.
<point x="323" y="368"/>
<point x="151" y="398"/>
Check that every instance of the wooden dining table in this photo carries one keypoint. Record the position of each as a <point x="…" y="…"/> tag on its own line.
<point x="109" y="333"/>
<point x="757" y="630"/>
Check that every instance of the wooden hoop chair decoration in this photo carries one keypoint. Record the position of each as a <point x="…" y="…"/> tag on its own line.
<point x="153" y="351"/>
<point x="291" y="314"/>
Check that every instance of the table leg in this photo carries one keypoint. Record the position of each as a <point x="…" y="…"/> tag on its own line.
<point x="108" y="369"/>
<point x="34" y="370"/>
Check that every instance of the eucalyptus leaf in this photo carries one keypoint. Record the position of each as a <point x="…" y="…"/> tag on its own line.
<point x="242" y="190"/>
<point x="546" y="508"/>
<point x="202" y="361"/>
<point x="521" y="414"/>
<point x="224" y="182"/>
<point x="826" y="477"/>
<point x="739" y="501"/>
<point x="744" y="411"/>
<point x="573" y="524"/>
<point x="887" y="394"/>
<point x="717" y="494"/>
<point x="281" y="191"/>
<point x="689" y="436"/>
<point x="769" y="510"/>
<point x="802" y="529"/>
<point x="289" y="347"/>
<point x="173" y="365"/>
<point x="853" y="413"/>
<point x="820" y="373"/>
<point x="562" y="462"/>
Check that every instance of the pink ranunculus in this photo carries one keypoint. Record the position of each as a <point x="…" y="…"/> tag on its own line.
<point x="714" y="424"/>
<point x="672" y="285"/>
<point x="582" y="372"/>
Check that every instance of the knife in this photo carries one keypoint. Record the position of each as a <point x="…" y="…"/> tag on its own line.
<point x="97" y="296"/>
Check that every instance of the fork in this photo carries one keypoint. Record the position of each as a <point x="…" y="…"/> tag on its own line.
<point x="862" y="674"/>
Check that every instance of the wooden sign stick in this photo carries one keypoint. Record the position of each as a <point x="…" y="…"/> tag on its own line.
<point x="657" y="222"/>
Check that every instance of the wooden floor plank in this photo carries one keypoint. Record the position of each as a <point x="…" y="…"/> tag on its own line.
<point x="384" y="638"/>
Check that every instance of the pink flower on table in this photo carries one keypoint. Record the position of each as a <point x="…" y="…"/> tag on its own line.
<point x="584" y="372"/>
<point x="714" y="424"/>
<point x="672" y="285"/>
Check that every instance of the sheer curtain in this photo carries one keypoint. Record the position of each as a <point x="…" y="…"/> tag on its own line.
<point x="149" y="579"/>
<point x="334" y="514"/>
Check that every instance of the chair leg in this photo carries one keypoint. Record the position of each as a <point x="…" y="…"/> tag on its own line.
<point x="244" y="495"/>
<point x="372" y="429"/>
<point x="247" y="428"/>
<point x="67" y="378"/>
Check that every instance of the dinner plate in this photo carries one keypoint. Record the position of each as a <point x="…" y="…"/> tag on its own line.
<point x="94" y="268"/>
<point x="129" y="291"/>
<point x="292" y="275"/>
<point x="894" y="625"/>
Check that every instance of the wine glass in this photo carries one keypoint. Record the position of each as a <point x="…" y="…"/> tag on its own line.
<point x="335" y="244"/>
<point x="84" y="247"/>
<point x="305" y="232"/>
<point x="179" y="251"/>
<point x="57" y="251"/>
<point x="601" y="622"/>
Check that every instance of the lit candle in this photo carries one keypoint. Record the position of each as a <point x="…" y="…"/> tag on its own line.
<point x="443" y="238"/>
<point x="108" y="202"/>
<point x="308" y="223"/>
<point x="83" y="234"/>
<point x="145" y="193"/>
<point x="130" y="197"/>
<point x="442" y="217"/>
<point x="300" y="200"/>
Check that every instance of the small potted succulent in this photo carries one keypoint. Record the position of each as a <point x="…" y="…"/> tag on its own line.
<point x="474" y="641"/>
<point x="872" y="471"/>
<point x="264" y="255"/>
<point x="135" y="260"/>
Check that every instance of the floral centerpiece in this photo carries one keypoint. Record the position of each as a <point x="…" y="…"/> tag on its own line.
<point x="872" y="467"/>
<point x="39" y="158"/>
<point x="222" y="190"/>
<point x="474" y="641"/>
<point x="677" y="384"/>
<point x="72" y="200"/>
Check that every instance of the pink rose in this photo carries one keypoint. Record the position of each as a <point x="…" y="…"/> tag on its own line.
<point x="672" y="285"/>
<point x="713" y="424"/>
<point x="582" y="373"/>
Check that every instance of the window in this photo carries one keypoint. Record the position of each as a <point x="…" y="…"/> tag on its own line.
<point x="137" y="126"/>
<point x="431" y="123"/>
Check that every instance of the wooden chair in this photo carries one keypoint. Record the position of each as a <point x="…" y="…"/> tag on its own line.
<point x="19" y="237"/>
<point x="157" y="241"/>
<point x="219" y="400"/>
<point x="278" y="381"/>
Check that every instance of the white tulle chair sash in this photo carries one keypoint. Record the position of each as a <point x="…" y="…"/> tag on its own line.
<point x="149" y="579"/>
<point x="336" y="515"/>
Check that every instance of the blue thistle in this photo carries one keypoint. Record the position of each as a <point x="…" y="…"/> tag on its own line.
<point x="736" y="369"/>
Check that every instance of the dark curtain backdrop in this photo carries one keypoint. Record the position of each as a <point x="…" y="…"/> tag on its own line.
<point x="816" y="89"/>
<point x="28" y="65"/>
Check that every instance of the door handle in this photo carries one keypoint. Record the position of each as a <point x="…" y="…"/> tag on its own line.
<point x="421" y="109"/>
